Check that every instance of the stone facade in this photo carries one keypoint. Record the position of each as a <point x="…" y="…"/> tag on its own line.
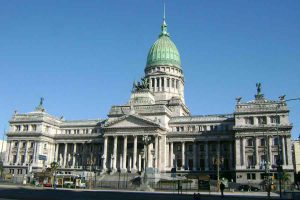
<point x="238" y="143"/>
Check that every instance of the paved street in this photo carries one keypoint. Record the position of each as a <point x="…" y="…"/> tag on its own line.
<point x="19" y="192"/>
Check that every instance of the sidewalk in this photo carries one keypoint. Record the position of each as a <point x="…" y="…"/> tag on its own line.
<point x="233" y="194"/>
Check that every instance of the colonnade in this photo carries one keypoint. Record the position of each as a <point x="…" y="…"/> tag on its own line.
<point x="207" y="155"/>
<point x="116" y="158"/>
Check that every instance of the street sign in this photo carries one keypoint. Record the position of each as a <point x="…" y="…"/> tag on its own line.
<point x="42" y="157"/>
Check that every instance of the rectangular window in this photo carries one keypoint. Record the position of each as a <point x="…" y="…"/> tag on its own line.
<point x="33" y="127"/>
<point x="201" y="147"/>
<point x="275" y="119"/>
<point x="22" y="159"/>
<point x="173" y="84"/>
<point x="262" y="120"/>
<point x="262" y="142"/>
<point x="200" y="128"/>
<point x="177" y="129"/>
<point x="250" y="142"/>
<point x="25" y="128"/>
<point x="248" y="176"/>
<point x="162" y="82"/>
<point x="249" y="120"/>
<point x="176" y="84"/>
<point x="153" y="82"/>
<point x="275" y="159"/>
<point x="18" y="128"/>
<point x="178" y="148"/>
<point x="250" y="161"/>
<point x="157" y="82"/>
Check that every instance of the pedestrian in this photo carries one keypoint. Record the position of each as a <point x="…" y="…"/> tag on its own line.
<point x="195" y="196"/>
<point x="198" y="196"/>
<point x="222" y="187"/>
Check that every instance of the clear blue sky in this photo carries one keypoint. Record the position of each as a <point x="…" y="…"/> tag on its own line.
<point x="82" y="56"/>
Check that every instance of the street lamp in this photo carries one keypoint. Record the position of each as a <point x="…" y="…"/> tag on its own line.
<point x="91" y="164"/>
<point x="146" y="141"/>
<point x="266" y="163"/>
<point x="279" y="161"/>
<point x="218" y="162"/>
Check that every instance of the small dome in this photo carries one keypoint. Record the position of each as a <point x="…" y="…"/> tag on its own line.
<point x="163" y="51"/>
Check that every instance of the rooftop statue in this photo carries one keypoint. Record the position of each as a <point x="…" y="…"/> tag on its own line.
<point x="258" y="88"/>
<point x="138" y="86"/>
<point x="40" y="106"/>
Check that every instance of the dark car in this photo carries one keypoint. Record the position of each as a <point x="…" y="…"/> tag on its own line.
<point x="248" y="188"/>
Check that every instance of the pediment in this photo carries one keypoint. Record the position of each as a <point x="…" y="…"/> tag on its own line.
<point x="131" y="121"/>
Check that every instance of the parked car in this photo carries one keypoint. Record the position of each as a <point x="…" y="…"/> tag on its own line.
<point x="248" y="188"/>
<point x="47" y="185"/>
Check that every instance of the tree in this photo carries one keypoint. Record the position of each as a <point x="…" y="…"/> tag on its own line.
<point x="286" y="179"/>
<point x="1" y="168"/>
<point x="54" y="165"/>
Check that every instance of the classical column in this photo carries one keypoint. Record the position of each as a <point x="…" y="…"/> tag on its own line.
<point x="270" y="150"/>
<point x="149" y="156"/>
<point x="171" y="157"/>
<point x="121" y="162"/>
<point x="256" y="153"/>
<point x="8" y="151"/>
<point x="289" y="151"/>
<point x="34" y="151"/>
<point x="125" y="153"/>
<point x="104" y="156"/>
<point x="115" y="153"/>
<point x="238" y="159"/>
<point x="74" y="154"/>
<point x="65" y="155"/>
<point x="140" y="162"/>
<point x="134" y="151"/>
<point x="156" y="152"/>
<point x="206" y="156"/>
<point x="243" y="152"/>
<point x="183" y="155"/>
<point x="56" y="152"/>
<point x="18" y="153"/>
<point x="130" y="161"/>
<point x="194" y="156"/>
<point x="230" y="156"/>
<point x="26" y="154"/>
<point x="283" y="150"/>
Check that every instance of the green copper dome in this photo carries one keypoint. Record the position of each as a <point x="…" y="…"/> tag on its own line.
<point x="163" y="51"/>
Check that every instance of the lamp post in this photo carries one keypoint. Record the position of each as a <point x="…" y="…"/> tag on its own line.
<point x="279" y="161"/>
<point x="91" y="164"/>
<point x="218" y="161"/>
<point x="266" y="164"/>
<point x="146" y="141"/>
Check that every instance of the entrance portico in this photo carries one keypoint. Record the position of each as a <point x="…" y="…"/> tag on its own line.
<point x="124" y="147"/>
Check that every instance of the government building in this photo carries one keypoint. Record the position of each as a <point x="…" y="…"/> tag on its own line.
<point x="155" y="129"/>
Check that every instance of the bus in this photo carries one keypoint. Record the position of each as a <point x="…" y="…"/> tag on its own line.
<point x="70" y="181"/>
